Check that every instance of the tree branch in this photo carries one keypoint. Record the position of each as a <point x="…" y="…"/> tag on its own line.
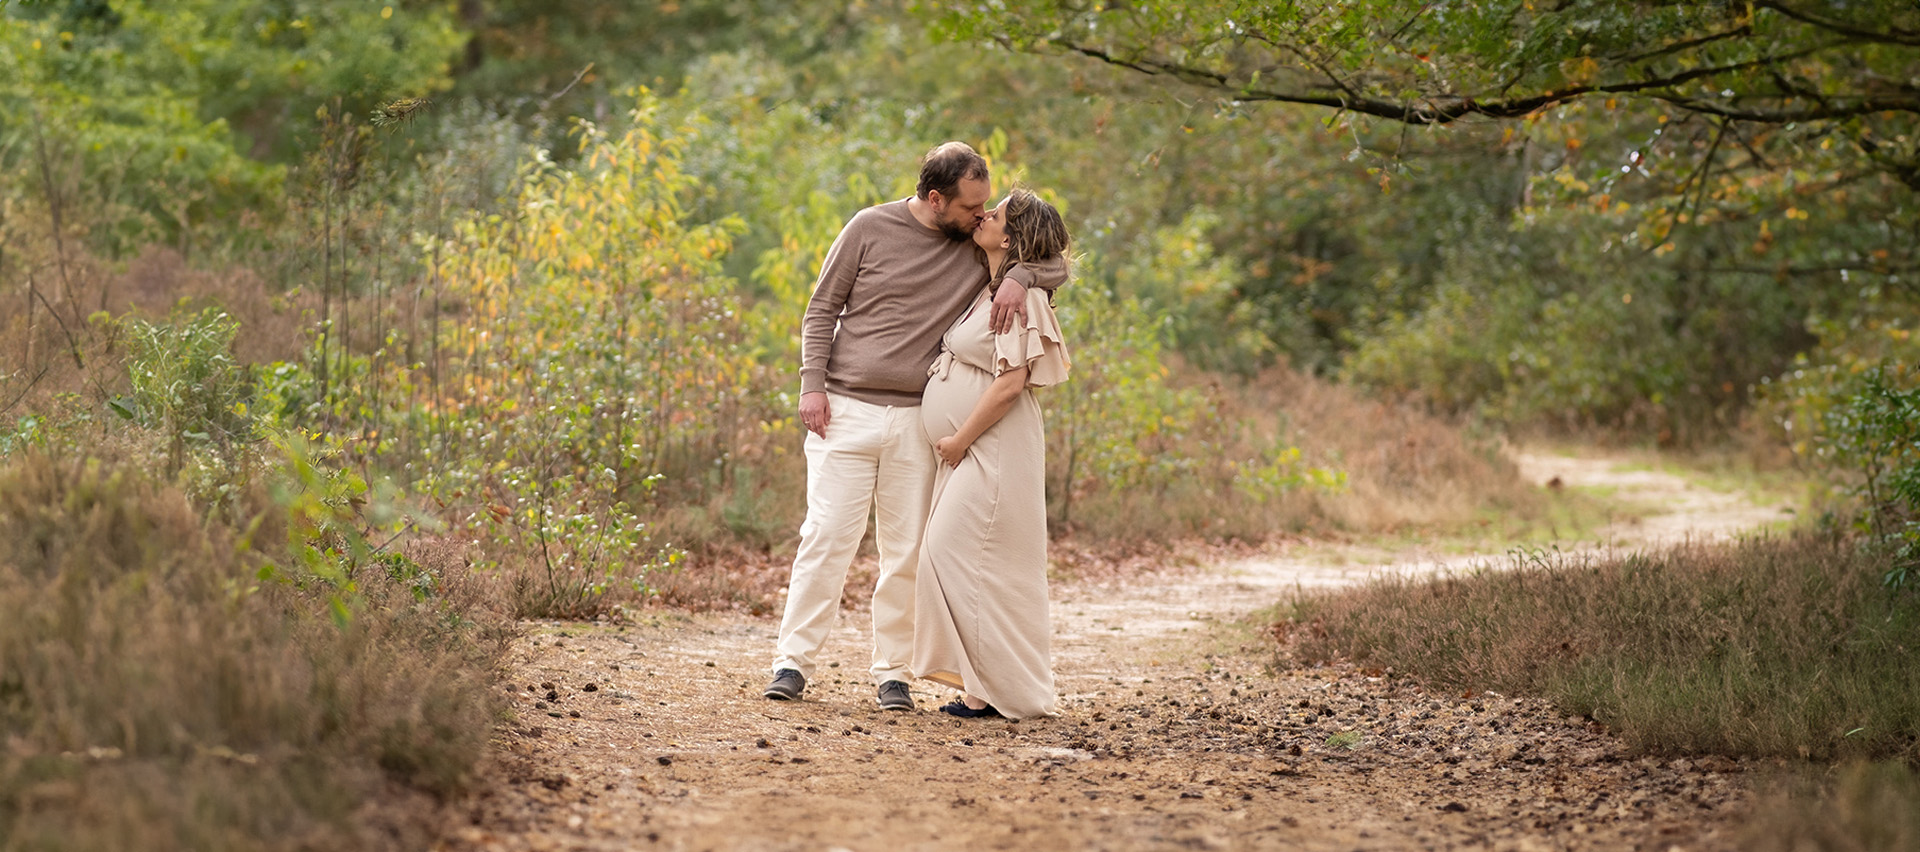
<point x="1852" y="31"/>
<point x="25" y="390"/>
<point x="1854" y="105"/>
<point x="1445" y="109"/>
<point x="1689" y="44"/>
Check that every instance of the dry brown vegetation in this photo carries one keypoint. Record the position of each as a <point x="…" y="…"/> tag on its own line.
<point x="1405" y="467"/>
<point x="1784" y="648"/>
<point x="160" y="690"/>
<point x="1860" y="807"/>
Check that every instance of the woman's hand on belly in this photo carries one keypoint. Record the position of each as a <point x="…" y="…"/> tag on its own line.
<point x="951" y="450"/>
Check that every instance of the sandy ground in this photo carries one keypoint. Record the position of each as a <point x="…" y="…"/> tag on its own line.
<point x="1180" y="729"/>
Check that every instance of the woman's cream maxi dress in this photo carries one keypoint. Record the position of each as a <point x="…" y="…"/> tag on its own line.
<point x="981" y="620"/>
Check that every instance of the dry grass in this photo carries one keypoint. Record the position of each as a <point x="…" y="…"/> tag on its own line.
<point x="1405" y="470"/>
<point x="158" y="695"/>
<point x="1781" y="648"/>
<point x="1404" y="467"/>
<point x="1860" y="807"/>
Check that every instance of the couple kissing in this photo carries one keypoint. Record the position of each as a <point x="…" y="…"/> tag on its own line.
<point x="930" y="326"/>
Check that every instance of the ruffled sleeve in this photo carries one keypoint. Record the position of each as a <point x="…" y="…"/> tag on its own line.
<point x="1037" y="344"/>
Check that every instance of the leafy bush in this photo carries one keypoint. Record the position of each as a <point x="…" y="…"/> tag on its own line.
<point x="1556" y="322"/>
<point x="1851" y="410"/>
<point x="1872" y="438"/>
<point x="598" y="367"/>
<point x="185" y="381"/>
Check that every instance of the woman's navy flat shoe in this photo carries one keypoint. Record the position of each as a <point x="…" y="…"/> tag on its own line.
<point x="959" y="707"/>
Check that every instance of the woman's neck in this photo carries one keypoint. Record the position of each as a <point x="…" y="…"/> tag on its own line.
<point x="994" y="259"/>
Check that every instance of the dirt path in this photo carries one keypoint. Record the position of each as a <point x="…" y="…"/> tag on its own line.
<point x="1178" y="732"/>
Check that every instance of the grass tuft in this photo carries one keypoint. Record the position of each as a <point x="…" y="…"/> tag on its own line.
<point x="1768" y="648"/>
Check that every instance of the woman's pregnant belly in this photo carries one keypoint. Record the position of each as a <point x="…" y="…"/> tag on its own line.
<point x="949" y="400"/>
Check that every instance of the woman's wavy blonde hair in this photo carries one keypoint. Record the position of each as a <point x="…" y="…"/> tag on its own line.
<point x="1035" y="230"/>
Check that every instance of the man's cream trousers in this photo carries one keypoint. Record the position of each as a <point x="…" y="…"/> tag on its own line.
<point x="874" y="458"/>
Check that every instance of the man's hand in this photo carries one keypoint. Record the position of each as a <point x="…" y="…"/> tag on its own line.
<point x="814" y="413"/>
<point x="1009" y="306"/>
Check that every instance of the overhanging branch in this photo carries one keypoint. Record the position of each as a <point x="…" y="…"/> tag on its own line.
<point x="1445" y="109"/>
<point x="1856" y="32"/>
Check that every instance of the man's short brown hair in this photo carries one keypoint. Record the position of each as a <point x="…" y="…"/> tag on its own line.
<point x="944" y="167"/>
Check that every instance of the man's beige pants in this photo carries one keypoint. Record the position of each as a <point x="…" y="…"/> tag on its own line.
<point x="874" y="457"/>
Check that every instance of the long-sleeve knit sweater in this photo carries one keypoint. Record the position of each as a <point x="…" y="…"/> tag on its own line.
<point x="888" y="290"/>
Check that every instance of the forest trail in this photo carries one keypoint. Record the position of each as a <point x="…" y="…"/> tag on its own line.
<point x="1179" y="730"/>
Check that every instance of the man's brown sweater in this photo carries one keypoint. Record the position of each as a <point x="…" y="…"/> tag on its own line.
<point x="889" y="289"/>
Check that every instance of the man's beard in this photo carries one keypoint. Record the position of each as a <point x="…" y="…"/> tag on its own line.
<point x="954" y="230"/>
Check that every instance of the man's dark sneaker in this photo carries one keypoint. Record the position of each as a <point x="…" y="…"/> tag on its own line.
<point x="894" y="696"/>
<point x="787" y="685"/>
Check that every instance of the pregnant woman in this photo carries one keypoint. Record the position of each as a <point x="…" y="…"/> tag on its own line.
<point x="981" y="624"/>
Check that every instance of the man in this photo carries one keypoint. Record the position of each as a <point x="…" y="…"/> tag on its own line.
<point x="897" y="276"/>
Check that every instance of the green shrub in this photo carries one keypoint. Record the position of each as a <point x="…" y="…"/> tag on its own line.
<point x="1870" y="443"/>
<point x="186" y="382"/>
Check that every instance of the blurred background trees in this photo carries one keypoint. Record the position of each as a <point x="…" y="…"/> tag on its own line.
<point x="344" y="332"/>
<point x="1673" y="223"/>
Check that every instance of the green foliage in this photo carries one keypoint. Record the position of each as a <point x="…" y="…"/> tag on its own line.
<point x="527" y="48"/>
<point x="185" y="381"/>
<point x="1672" y="155"/>
<point x="583" y="548"/>
<point x="333" y="517"/>
<point x="1114" y="425"/>
<point x="154" y="111"/>
<point x="1120" y="426"/>
<point x="1182" y="277"/>
<point x="1404" y="60"/>
<point x="1871" y="440"/>
<point x="1282" y="471"/>
<point x="602" y="365"/>
<point x="1847" y="409"/>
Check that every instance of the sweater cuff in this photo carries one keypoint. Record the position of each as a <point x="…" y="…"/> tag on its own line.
<point x="813" y="380"/>
<point x="1020" y="274"/>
